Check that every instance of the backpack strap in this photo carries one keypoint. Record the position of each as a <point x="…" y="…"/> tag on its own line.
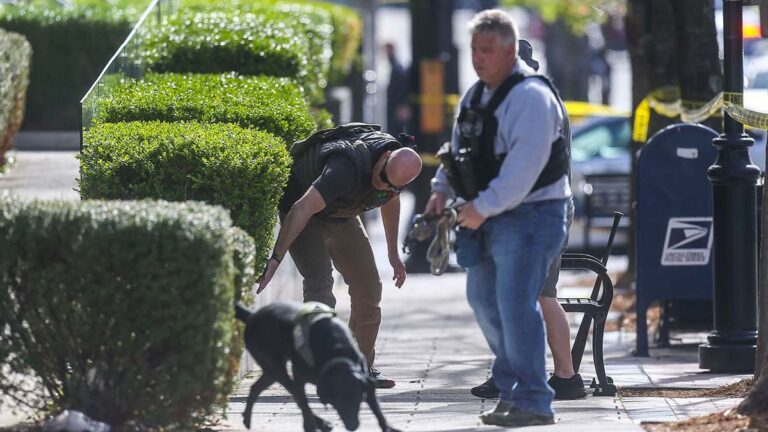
<point x="299" y="147"/>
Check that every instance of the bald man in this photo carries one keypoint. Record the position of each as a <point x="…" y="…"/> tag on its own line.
<point x="337" y="175"/>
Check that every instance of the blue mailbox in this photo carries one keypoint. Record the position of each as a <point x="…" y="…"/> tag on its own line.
<point x="674" y="220"/>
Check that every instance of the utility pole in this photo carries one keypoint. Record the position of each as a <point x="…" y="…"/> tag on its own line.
<point x="732" y="344"/>
<point x="434" y="79"/>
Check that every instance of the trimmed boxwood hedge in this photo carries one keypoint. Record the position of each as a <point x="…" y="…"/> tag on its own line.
<point x="15" y="56"/>
<point x="70" y="47"/>
<point x="246" y="43"/>
<point x="244" y="170"/>
<point x="121" y="310"/>
<point x="346" y="24"/>
<point x="274" y="105"/>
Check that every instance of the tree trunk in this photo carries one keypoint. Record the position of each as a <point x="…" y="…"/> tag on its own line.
<point x="671" y="43"/>
<point x="756" y="401"/>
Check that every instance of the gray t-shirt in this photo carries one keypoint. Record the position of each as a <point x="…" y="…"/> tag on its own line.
<point x="529" y="121"/>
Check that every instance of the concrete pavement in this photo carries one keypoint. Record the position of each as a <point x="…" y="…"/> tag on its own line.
<point x="431" y="345"/>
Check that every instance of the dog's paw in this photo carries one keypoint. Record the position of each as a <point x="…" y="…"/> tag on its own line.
<point x="247" y="421"/>
<point x="312" y="427"/>
<point x="323" y="425"/>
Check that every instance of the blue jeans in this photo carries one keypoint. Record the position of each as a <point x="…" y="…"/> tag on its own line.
<point x="503" y="289"/>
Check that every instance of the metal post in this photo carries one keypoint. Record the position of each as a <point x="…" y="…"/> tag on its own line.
<point x="434" y="73"/>
<point x="731" y="345"/>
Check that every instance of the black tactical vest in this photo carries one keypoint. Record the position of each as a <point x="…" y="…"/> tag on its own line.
<point x="476" y="164"/>
<point x="363" y="144"/>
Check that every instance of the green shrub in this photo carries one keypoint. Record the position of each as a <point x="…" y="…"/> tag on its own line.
<point x="347" y="36"/>
<point x="122" y="310"/>
<point x="15" y="55"/>
<point x="70" y="48"/>
<point x="274" y="105"/>
<point x="246" y="43"/>
<point x="346" y="24"/>
<point x="243" y="170"/>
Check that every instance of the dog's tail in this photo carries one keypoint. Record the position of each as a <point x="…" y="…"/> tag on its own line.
<point x="241" y="313"/>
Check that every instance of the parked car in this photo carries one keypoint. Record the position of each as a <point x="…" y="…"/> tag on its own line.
<point x="600" y="146"/>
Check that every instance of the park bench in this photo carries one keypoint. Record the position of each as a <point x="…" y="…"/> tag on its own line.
<point x="595" y="309"/>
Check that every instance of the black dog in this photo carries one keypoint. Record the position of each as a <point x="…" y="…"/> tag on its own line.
<point x="321" y="351"/>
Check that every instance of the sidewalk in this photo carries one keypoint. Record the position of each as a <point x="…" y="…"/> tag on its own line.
<point x="42" y="175"/>
<point x="430" y="344"/>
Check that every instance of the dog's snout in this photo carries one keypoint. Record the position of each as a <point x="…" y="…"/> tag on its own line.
<point x="352" y="425"/>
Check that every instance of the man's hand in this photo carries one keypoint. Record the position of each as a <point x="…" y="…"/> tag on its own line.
<point x="399" y="268"/>
<point x="469" y="217"/>
<point x="436" y="203"/>
<point x="269" y="271"/>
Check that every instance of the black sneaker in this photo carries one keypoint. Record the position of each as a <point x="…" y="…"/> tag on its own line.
<point x="381" y="380"/>
<point x="567" y="388"/>
<point x="486" y="390"/>
<point x="517" y="417"/>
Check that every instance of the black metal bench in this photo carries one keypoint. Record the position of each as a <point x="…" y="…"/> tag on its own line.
<point x="595" y="308"/>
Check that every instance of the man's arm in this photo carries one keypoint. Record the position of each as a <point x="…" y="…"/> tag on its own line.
<point x="295" y="221"/>
<point x="390" y="218"/>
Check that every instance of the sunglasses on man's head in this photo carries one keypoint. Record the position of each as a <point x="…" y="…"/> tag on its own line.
<point x="383" y="177"/>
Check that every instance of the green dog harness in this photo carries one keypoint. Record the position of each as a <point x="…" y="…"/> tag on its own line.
<point x="308" y="314"/>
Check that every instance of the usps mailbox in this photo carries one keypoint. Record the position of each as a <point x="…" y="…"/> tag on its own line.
<point x="674" y="220"/>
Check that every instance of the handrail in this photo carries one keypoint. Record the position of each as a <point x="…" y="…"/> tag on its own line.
<point x="114" y="65"/>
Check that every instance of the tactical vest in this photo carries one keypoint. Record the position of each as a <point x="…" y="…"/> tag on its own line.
<point x="472" y="168"/>
<point x="363" y="144"/>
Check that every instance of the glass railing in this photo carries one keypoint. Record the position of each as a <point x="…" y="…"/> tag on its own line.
<point x="127" y="62"/>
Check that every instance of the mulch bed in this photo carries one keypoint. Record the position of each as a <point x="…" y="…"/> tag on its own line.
<point x="736" y="390"/>
<point x="726" y="421"/>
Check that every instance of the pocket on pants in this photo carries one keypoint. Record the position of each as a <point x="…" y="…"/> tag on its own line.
<point x="469" y="247"/>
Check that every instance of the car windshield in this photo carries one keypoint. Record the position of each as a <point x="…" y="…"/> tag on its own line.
<point x="601" y="139"/>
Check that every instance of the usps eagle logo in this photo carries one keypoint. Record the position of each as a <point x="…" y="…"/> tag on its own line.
<point x="688" y="242"/>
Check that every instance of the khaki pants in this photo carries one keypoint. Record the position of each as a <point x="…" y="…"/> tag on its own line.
<point x="347" y="247"/>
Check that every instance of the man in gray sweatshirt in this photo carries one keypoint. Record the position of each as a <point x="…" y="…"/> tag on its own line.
<point x="509" y="160"/>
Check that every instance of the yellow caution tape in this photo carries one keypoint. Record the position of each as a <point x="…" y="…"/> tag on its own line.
<point x="733" y="104"/>
<point x="642" y="120"/>
<point x="666" y="102"/>
<point x="586" y="109"/>
<point x="429" y="159"/>
<point x="448" y="99"/>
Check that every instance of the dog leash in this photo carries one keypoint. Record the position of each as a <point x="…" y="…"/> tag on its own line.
<point x="424" y="225"/>
<point x="440" y="247"/>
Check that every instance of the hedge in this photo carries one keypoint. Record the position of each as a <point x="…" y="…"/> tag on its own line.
<point x="246" y="43"/>
<point x="244" y="170"/>
<point x="346" y="25"/>
<point x="121" y="310"/>
<point x="70" y="48"/>
<point x="274" y="105"/>
<point x="15" y="55"/>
